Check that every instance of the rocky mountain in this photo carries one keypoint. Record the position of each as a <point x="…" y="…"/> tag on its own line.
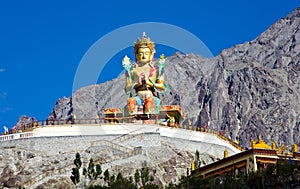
<point x="248" y="90"/>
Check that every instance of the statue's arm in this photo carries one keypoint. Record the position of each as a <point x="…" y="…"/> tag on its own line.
<point x="159" y="83"/>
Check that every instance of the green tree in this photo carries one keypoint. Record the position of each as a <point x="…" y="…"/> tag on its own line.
<point x="91" y="169"/>
<point x="144" y="174"/>
<point x="106" y="176"/>
<point x="84" y="171"/>
<point x="98" y="170"/>
<point x="122" y="183"/>
<point x="131" y="179"/>
<point x="119" y="176"/>
<point x="75" y="177"/>
<point x="151" y="179"/>
<point x="77" y="161"/>
<point x="137" y="177"/>
<point x="112" y="179"/>
<point x="151" y="186"/>
<point x="197" y="160"/>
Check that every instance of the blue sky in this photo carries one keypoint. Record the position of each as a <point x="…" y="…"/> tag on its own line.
<point x="43" y="42"/>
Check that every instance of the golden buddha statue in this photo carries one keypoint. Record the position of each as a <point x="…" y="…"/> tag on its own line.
<point x="144" y="79"/>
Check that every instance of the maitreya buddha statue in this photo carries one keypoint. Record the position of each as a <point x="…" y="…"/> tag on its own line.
<point x="144" y="78"/>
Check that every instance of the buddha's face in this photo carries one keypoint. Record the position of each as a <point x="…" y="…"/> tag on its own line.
<point x="144" y="55"/>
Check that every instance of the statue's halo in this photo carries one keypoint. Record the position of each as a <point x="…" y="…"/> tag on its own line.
<point x="99" y="54"/>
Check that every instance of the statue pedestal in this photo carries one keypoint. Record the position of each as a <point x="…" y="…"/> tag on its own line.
<point x="170" y="115"/>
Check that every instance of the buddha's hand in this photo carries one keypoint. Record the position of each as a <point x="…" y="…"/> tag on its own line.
<point x="142" y="78"/>
<point x="150" y="83"/>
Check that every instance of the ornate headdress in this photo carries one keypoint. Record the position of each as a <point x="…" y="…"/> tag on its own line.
<point x="144" y="42"/>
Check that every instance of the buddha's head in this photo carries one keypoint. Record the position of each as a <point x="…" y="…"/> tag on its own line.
<point x="144" y="50"/>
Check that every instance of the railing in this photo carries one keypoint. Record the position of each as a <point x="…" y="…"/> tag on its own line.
<point x="214" y="132"/>
<point x="16" y="136"/>
<point x="230" y="141"/>
<point x="49" y="173"/>
<point x="19" y="134"/>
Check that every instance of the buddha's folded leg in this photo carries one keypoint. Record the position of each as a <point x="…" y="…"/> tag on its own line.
<point x="149" y="105"/>
<point x="132" y="105"/>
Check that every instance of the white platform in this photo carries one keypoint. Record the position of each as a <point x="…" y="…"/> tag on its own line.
<point x="120" y="129"/>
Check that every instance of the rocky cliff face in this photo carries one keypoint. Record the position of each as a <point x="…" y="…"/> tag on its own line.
<point x="248" y="90"/>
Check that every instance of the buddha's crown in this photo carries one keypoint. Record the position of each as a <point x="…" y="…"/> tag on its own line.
<point x="144" y="42"/>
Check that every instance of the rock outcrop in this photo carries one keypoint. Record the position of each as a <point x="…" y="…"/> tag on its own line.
<point x="24" y="120"/>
